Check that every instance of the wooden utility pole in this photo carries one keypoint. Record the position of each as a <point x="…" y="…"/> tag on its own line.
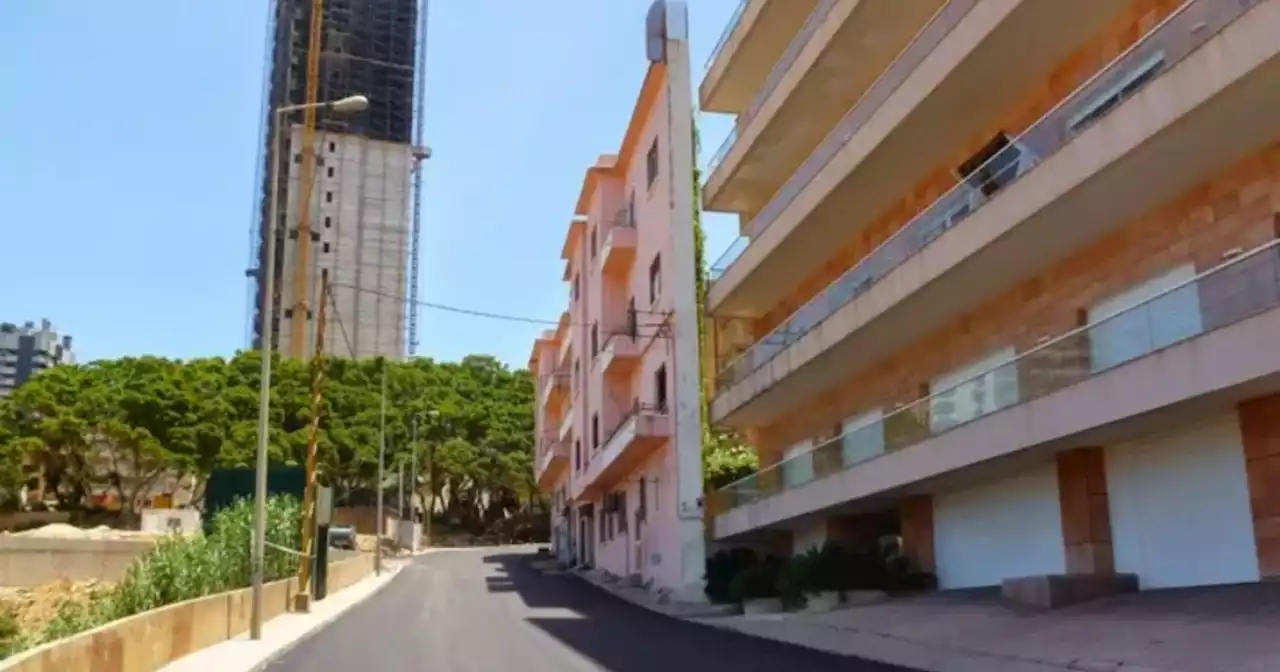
<point x="309" y="499"/>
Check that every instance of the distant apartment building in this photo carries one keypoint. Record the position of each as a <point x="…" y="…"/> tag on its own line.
<point x="1008" y="284"/>
<point x="25" y="351"/>
<point x="618" y="427"/>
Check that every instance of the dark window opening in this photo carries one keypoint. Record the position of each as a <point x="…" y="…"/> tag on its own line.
<point x="333" y="146"/>
<point x="330" y="171"/>
<point x="595" y="339"/>
<point x="593" y="242"/>
<point x="655" y="278"/>
<point x="993" y="167"/>
<point x="326" y="247"/>
<point x="660" y="387"/>
<point x="631" y="318"/>
<point x="577" y="454"/>
<point x="631" y="210"/>
<point x="328" y="222"/>
<point x="651" y="162"/>
<point x="595" y="431"/>
<point x="575" y="286"/>
<point x="328" y="197"/>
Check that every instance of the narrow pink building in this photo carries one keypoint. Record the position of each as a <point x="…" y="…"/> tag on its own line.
<point x="618" y="432"/>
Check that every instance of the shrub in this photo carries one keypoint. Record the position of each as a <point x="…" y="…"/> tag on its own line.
<point x="9" y="635"/>
<point x="797" y="578"/>
<point x="182" y="568"/>
<point x="758" y="581"/>
<point x="722" y="568"/>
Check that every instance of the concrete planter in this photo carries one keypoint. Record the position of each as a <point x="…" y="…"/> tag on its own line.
<point x="823" y="601"/>
<point x="859" y="598"/>
<point x="762" y="605"/>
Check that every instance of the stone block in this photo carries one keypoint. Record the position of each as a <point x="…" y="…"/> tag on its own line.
<point x="1054" y="591"/>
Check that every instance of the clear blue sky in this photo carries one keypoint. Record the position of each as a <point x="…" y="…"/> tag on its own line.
<point x="129" y="148"/>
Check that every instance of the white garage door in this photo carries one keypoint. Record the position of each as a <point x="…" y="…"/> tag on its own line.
<point x="1180" y="507"/>
<point x="999" y="530"/>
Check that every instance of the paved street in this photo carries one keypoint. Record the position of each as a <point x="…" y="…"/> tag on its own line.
<point x="484" y="610"/>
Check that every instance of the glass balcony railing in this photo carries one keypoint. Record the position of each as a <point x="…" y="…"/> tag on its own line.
<point x="903" y="65"/>
<point x="1238" y="289"/>
<point x="816" y="18"/>
<point x="1159" y="50"/>
<point x="734" y="20"/>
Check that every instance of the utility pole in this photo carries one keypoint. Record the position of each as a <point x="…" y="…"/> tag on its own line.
<point x="382" y="451"/>
<point x="303" y="598"/>
<point x="413" y="467"/>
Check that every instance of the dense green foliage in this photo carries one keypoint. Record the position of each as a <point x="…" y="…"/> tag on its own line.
<point x="725" y="458"/>
<point x="122" y="425"/>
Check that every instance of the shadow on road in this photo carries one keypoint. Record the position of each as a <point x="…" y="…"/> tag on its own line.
<point x="623" y="637"/>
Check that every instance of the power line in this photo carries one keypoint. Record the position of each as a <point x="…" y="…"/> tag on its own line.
<point x="477" y="313"/>
<point x="337" y="317"/>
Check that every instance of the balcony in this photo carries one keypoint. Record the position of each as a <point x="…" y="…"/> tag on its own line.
<point x="566" y="424"/>
<point x="836" y="56"/>
<point x="619" y="249"/>
<point x="755" y="37"/>
<point x="566" y="343"/>
<point x="921" y="112"/>
<point x="621" y="352"/>
<point x="553" y="457"/>
<point x="1205" y="343"/>
<point x="1107" y="153"/>
<point x="638" y="433"/>
<point x="554" y="385"/>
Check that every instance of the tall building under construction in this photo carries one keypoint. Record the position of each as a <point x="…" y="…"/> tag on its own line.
<point x="359" y="179"/>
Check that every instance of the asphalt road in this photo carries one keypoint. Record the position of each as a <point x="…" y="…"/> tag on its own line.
<point x="484" y="610"/>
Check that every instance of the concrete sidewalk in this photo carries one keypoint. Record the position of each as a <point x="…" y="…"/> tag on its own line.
<point x="286" y="631"/>
<point x="1218" y="629"/>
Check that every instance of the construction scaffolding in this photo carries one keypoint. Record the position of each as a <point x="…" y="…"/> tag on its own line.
<point x="355" y="221"/>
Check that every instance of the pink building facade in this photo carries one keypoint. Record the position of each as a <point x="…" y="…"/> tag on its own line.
<point x="617" y="415"/>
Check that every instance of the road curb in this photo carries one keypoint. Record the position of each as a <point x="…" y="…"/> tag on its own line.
<point x="323" y="623"/>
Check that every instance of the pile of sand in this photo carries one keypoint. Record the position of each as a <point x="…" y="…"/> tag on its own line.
<point x="65" y="531"/>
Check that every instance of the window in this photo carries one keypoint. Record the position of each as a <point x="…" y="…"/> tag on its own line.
<point x="330" y="171"/>
<point x="996" y="165"/>
<point x="595" y="339"/>
<point x="575" y="287"/>
<point x="328" y="197"/>
<point x="328" y="222"/>
<point x="326" y="248"/>
<point x="1122" y="332"/>
<point x="621" y="498"/>
<point x="797" y="464"/>
<point x="577" y="455"/>
<point x="631" y="318"/>
<point x="593" y="242"/>
<point x="631" y="209"/>
<point x="660" y="387"/>
<point x="595" y="431"/>
<point x="333" y="146"/>
<point x="655" y="278"/>
<point x="863" y="437"/>
<point x="651" y="163"/>
<point x="973" y="391"/>
<point x="1102" y="104"/>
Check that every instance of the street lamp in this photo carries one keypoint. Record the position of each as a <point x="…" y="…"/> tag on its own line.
<point x="267" y="276"/>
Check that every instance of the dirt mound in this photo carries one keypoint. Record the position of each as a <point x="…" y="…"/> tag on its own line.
<point x="35" y="607"/>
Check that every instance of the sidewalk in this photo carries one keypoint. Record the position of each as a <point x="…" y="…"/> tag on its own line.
<point x="1220" y="629"/>
<point x="286" y="631"/>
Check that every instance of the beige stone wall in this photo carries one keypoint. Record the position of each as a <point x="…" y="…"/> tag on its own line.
<point x="31" y="561"/>
<point x="150" y="640"/>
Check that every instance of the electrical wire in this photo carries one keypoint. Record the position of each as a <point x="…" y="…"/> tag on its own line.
<point x="342" y="328"/>
<point x="480" y="313"/>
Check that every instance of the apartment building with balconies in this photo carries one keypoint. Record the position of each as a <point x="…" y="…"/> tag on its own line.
<point x="625" y="356"/>
<point x="1007" y="285"/>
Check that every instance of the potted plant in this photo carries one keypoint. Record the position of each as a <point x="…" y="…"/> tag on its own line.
<point x="721" y="570"/>
<point x="796" y="581"/>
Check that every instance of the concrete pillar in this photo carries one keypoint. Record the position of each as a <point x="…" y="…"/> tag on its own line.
<point x="1260" y="432"/>
<point x="916" y="518"/>
<point x="1086" y="518"/>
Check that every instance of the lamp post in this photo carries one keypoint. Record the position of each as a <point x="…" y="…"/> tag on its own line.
<point x="267" y="277"/>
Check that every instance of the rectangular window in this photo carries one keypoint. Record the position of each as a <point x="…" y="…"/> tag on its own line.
<point x="328" y="197"/>
<point x="326" y="248"/>
<point x="595" y="431"/>
<point x="577" y="455"/>
<point x="631" y="209"/>
<point x="797" y="465"/>
<point x="1131" y="332"/>
<point x="660" y="387"/>
<point x="655" y="278"/>
<point x="996" y="165"/>
<point x="593" y="242"/>
<point x="330" y="171"/>
<point x="575" y="286"/>
<point x="595" y="339"/>
<point x="1100" y="105"/>
<point x="862" y="437"/>
<point x="651" y="163"/>
<point x="328" y="222"/>
<point x="333" y="146"/>
<point x="973" y="391"/>
<point x="632" y="326"/>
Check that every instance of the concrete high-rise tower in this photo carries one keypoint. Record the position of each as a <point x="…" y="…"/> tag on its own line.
<point x="358" y="217"/>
